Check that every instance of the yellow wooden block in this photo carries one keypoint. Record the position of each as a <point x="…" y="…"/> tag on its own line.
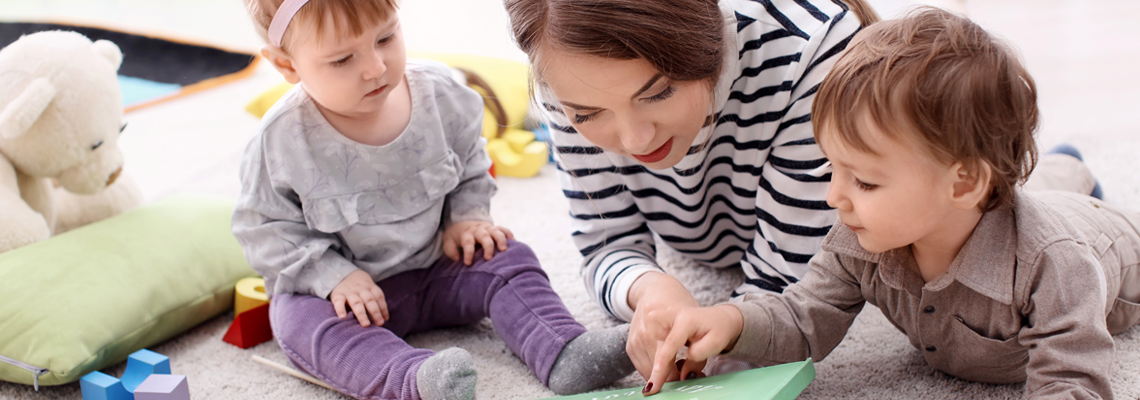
<point x="249" y="293"/>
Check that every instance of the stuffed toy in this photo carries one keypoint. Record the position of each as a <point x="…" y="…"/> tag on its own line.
<point x="60" y="119"/>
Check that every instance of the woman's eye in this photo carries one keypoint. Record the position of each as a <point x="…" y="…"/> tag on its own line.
<point x="665" y="94"/>
<point x="341" y="62"/>
<point x="96" y="145"/>
<point x="578" y="118"/>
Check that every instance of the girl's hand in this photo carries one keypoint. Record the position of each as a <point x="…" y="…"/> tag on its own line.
<point x="467" y="234"/>
<point x="656" y="298"/>
<point x="359" y="292"/>
<point x="707" y="331"/>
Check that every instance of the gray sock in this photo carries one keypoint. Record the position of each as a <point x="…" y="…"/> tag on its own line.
<point x="447" y="375"/>
<point x="591" y="360"/>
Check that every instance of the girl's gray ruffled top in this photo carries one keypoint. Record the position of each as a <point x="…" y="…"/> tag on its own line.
<point x="316" y="206"/>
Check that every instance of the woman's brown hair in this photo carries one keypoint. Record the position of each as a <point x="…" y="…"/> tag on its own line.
<point x="939" y="80"/>
<point x="350" y="17"/>
<point x="681" y="39"/>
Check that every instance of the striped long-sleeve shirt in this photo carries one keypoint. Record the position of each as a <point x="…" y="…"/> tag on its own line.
<point x="751" y="191"/>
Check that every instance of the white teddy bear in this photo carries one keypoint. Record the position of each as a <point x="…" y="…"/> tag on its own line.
<point x="61" y="115"/>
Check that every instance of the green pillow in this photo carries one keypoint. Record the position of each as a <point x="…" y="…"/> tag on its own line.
<point x="88" y="298"/>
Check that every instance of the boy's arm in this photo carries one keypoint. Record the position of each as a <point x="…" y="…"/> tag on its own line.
<point x="808" y="319"/>
<point x="1070" y="349"/>
<point x="269" y="224"/>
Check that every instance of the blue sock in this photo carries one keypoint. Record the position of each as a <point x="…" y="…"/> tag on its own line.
<point x="1068" y="149"/>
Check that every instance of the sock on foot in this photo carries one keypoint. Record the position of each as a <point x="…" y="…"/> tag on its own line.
<point x="447" y="375"/>
<point x="1068" y="149"/>
<point x="590" y="360"/>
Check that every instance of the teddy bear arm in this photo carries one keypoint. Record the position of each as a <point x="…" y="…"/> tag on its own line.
<point x="22" y="225"/>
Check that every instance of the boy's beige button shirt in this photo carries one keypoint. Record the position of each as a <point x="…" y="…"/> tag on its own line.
<point x="1025" y="299"/>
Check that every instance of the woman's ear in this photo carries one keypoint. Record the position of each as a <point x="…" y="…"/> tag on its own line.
<point x="281" y="61"/>
<point x="972" y="187"/>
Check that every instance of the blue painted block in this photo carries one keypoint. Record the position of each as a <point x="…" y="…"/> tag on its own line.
<point x="100" y="386"/>
<point x="163" y="387"/>
<point x="141" y="364"/>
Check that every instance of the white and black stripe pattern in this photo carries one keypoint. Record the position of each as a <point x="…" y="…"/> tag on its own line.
<point x="753" y="195"/>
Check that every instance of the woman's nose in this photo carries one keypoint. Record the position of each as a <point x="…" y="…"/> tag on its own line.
<point x="637" y="136"/>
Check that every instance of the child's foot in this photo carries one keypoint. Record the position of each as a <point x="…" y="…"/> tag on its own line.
<point x="1067" y="149"/>
<point x="447" y="375"/>
<point x="591" y="360"/>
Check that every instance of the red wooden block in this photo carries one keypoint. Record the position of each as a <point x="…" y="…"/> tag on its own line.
<point x="250" y="328"/>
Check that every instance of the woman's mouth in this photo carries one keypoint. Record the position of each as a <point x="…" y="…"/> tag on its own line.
<point x="656" y="155"/>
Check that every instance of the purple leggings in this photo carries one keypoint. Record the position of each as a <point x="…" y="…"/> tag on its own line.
<point x="376" y="363"/>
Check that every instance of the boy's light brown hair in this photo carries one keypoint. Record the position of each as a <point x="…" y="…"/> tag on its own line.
<point x="350" y="18"/>
<point x="939" y="80"/>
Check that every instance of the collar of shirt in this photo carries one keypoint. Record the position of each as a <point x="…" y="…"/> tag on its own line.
<point x="985" y="264"/>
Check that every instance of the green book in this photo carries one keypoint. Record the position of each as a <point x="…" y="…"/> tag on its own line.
<point x="778" y="382"/>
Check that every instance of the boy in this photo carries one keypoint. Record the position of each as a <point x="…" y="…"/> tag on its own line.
<point x="928" y="122"/>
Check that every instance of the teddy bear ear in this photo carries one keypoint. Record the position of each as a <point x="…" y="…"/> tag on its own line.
<point x="109" y="51"/>
<point x="19" y="115"/>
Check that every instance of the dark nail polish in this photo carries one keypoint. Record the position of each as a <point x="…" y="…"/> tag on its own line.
<point x="648" y="387"/>
<point x="691" y="375"/>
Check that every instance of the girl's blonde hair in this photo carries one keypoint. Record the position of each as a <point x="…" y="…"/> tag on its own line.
<point x="350" y="18"/>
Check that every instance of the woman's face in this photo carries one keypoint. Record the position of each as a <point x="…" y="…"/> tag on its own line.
<point x="627" y="107"/>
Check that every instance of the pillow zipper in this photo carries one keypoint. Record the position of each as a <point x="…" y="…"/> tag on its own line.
<point x="36" y="371"/>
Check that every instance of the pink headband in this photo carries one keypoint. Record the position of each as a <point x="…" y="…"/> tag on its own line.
<point x="281" y="19"/>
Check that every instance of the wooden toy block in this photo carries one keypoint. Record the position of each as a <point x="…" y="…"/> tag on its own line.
<point x="141" y="364"/>
<point x="100" y="386"/>
<point x="250" y="328"/>
<point x="163" y="387"/>
<point x="249" y="293"/>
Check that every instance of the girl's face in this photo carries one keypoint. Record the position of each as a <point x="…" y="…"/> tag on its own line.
<point x="349" y="76"/>
<point x="628" y="107"/>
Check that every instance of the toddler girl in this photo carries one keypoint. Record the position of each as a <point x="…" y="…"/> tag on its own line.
<point x="362" y="177"/>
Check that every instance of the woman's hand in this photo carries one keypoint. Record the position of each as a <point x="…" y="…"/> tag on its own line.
<point x="461" y="237"/>
<point x="656" y="299"/>
<point x="707" y="331"/>
<point x="361" y="294"/>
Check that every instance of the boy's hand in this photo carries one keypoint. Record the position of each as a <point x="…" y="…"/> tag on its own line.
<point x="461" y="238"/>
<point x="363" y="296"/>
<point x="707" y="331"/>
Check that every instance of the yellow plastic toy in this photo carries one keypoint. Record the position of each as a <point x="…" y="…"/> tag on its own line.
<point x="503" y="85"/>
<point x="249" y="293"/>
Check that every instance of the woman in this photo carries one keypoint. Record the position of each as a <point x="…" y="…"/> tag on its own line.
<point x="688" y="119"/>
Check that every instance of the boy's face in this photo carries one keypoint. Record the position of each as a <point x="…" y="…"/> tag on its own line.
<point x="350" y="76"/>
<point x="892" y="199"/>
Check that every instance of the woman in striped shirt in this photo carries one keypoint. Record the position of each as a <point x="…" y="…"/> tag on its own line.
<point x="687" y="122"/>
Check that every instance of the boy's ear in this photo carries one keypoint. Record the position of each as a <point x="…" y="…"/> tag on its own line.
<point x="971" y="184"/>
<point x="281" y="61"/>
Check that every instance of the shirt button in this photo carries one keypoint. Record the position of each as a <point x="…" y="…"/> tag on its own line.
<point x="931" y="348"/>
<point x="928" y="310"/>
